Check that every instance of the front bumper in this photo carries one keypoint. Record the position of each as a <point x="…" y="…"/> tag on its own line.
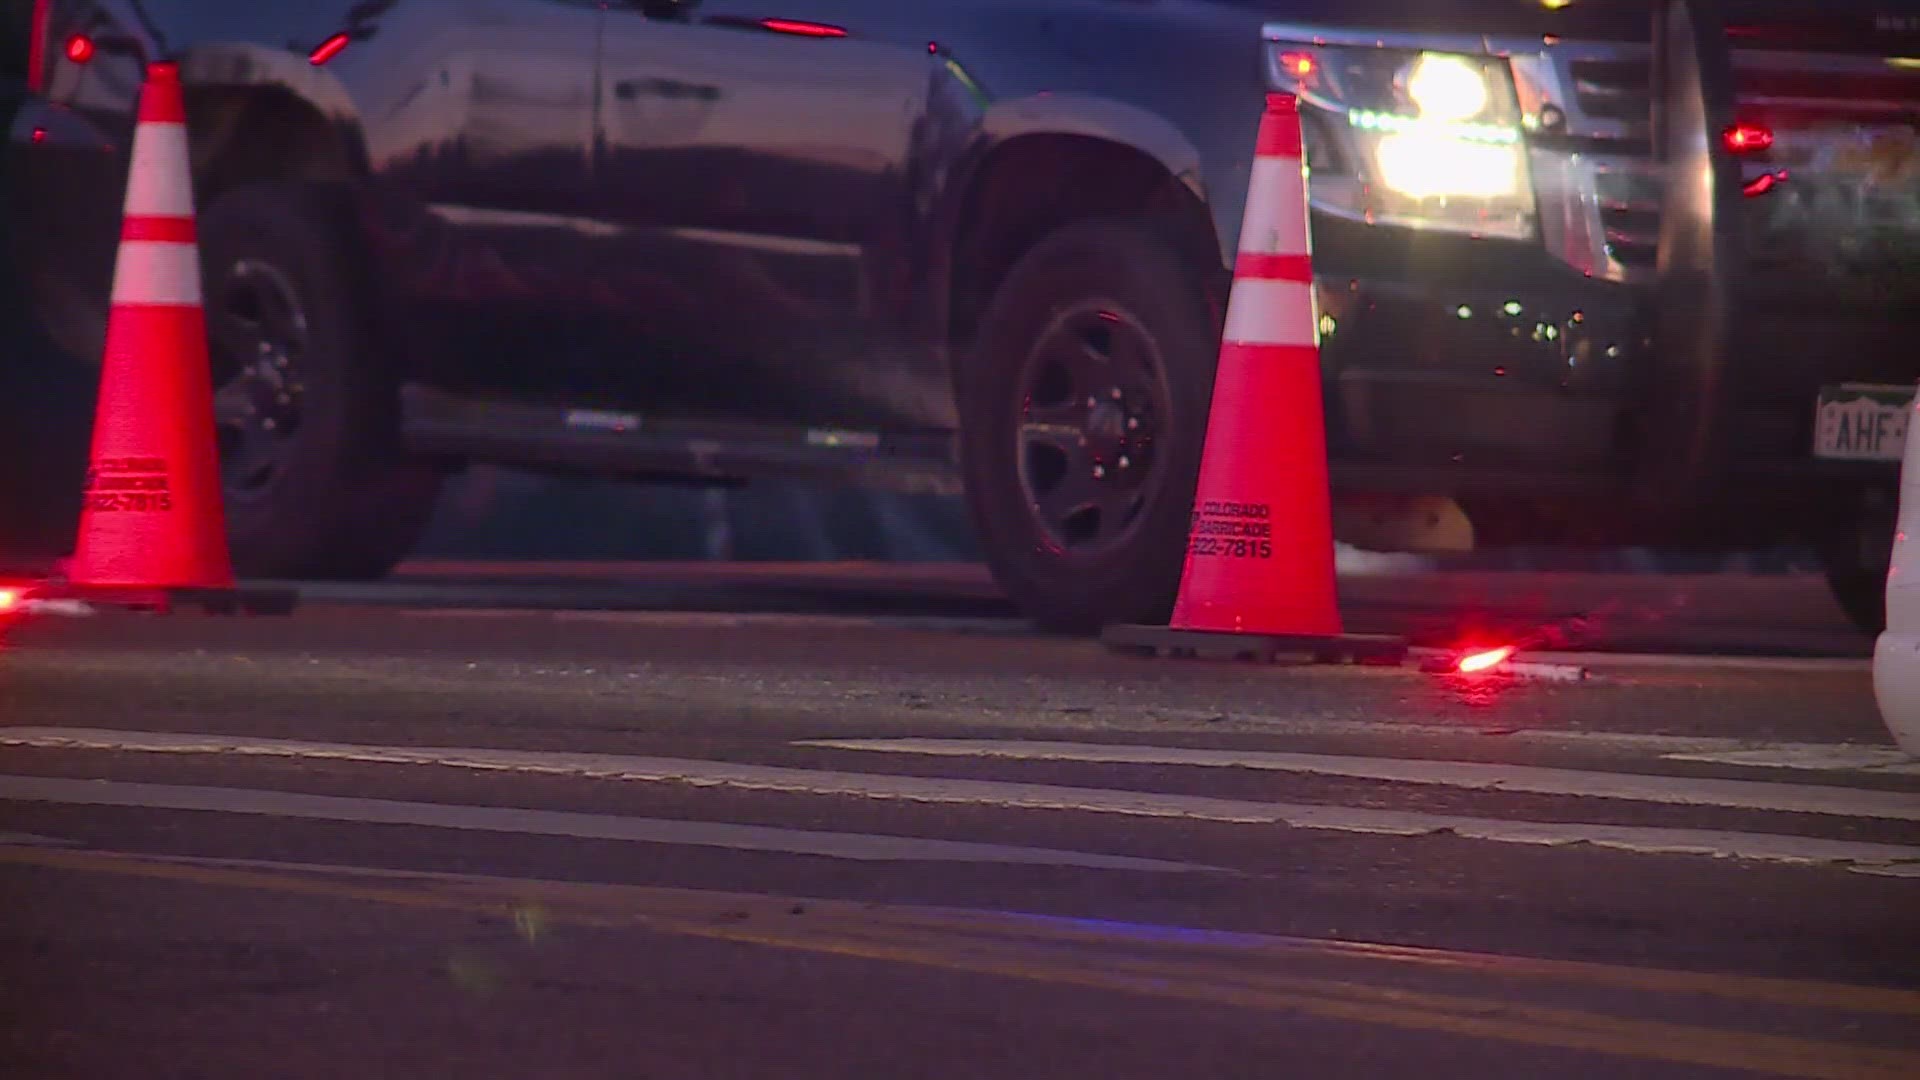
<point x="1472" y="368"/>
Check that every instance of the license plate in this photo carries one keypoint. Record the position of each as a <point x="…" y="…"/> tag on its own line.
<point x="1862" y="422"/>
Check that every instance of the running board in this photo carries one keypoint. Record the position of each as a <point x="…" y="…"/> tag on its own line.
<point x="619" y="443"/>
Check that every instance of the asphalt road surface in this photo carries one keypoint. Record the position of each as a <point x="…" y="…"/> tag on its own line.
<point x="586" y="825"/>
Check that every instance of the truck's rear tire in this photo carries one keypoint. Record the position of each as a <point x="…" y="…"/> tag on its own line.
<point x="316" y="483"/>
<point x="1084" y="405"/>
<point x="1857" y="576"/>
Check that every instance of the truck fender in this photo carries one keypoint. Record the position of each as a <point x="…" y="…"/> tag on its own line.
<point x="1049" y="113"/>
<point x="241" y="65"/>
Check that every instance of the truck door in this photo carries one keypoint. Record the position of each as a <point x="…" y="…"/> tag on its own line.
<point x="481" y="138"/>
<point x="754" y="153"/>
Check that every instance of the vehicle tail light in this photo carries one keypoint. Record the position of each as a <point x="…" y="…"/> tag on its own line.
<point x="803" y="28"/>
<point x="37" y="47"/>
<point x="1764" y="183"/>
<point x="79" y="48"/>
<point x="328" y="49"/>
<point x="1747" y="138"/>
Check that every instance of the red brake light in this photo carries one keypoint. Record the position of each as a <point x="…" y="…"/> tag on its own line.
<point x="79" y="48"/>
<point x="37" y="47"/>
<point x="1764" y="183"/>
<point x="328" y="49"/>
<point x="1747" y="138"/>
<point x="1298" y="64"/>
<point x="802" y="28"/>
<point x="10" y="599"/>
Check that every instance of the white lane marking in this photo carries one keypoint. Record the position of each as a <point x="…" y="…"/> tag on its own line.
<point x="859" y="846"/>
<point x="1812" y="758"/>
<point x="159" y="182"/>
<point x="1898" y="869"/>
<point x="1645" y="742"/>
<point x="1478" y="776"/>
<point x="1756" y="846"/>
<point x="1270" y="313"/>
<point x="18" y="839"/>
<point x="1276" y="214"/>
<point x="156" y="272"/>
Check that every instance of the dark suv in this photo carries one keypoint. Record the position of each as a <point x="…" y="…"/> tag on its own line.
<point x="1592" y="271"/>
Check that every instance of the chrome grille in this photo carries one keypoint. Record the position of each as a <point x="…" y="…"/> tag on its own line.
<point x="1628" y="189"/>
<point x="1618" y="93"/>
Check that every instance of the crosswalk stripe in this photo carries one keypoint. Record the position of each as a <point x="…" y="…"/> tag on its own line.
<point x="1479" y="776"/>
<point x="1811" y="758"/>
<point x="837" y="845"/>
<point x="1641" y="839"/>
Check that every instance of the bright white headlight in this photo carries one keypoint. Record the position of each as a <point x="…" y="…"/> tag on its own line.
<point x="1447" y="88"/>
<point x="1425" y="166"/>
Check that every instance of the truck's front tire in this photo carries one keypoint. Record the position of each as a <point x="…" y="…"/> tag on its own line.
<point x="1084" y="405"/>
<point x="315" y="482"/>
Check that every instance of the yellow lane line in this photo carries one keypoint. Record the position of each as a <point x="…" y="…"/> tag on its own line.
<point x="1446" y="1012"/>
<point x="884" y="933"/>
<point x="1554" y="1029"/>
<point x="1801" y="994"/>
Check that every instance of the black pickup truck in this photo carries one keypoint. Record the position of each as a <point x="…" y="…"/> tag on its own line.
<point x="1592" y="272"/>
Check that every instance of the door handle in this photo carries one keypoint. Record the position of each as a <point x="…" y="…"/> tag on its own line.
<point x="672" y="89"/>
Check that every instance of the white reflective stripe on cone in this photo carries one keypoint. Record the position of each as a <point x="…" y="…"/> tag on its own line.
<point x="1270" y="313"/>
<point x="159" y="183"/>
<point x="156" y="272"/>
<point x="1276" y="219"/>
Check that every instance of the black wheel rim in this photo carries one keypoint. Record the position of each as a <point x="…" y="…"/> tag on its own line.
<point x="1094" y="420"/>
<point x="257" y="330"/>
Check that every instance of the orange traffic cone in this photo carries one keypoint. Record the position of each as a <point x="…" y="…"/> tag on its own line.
<point x="1259" y="576"/>
<point x="152" y="528"/>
